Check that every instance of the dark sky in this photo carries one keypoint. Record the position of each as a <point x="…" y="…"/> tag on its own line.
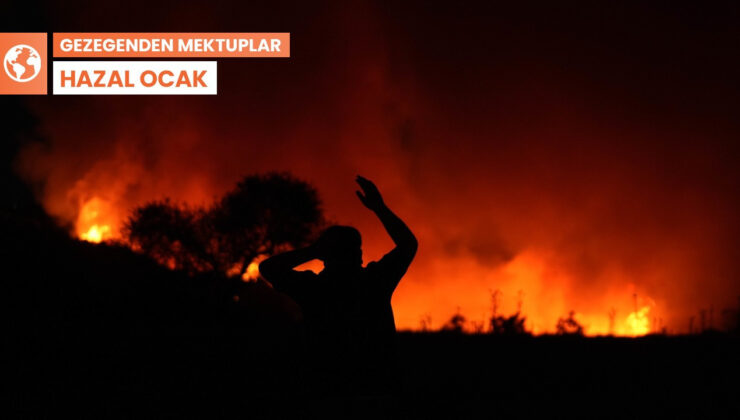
<point x="578" y="152"/>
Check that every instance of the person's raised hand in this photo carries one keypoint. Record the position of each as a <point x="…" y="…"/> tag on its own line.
<point x="369" y="196"/>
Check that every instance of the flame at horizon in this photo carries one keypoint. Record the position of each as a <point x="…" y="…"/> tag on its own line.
<point x="97" y="221"/>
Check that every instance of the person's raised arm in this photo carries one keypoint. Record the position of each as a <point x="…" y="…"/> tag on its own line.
<point x="406" y="243"/>
<point x="281" y="265"/>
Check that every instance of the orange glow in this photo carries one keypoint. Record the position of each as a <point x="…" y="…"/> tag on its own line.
<point x="95" y="220"/>
<point x="526" y="184"/>
<point x="529" y="283"/>
<point x="637" y="322"/>
<point x="96" y="234"/>
<point x="252" y="272"/>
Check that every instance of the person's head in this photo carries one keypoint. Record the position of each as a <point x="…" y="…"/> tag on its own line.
<point x="340" y="247"/>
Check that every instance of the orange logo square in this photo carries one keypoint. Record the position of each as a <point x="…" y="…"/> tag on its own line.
<point x="24" y="63"/>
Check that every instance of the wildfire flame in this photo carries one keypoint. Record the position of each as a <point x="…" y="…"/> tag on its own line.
<point x="638" y="322"/>
<point x="95" y="221"/>
<point x="533" y="184"/>
<point x="96" y="234"/>
<point x="524" y="276"/>
<point x="252" y="272"/>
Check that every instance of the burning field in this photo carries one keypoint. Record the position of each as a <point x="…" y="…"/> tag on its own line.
<point x="542" y="171"/>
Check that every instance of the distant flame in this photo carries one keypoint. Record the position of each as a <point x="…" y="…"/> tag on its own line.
<point x="96" y="234"/>
<point x="525" y="282"/>
<point x="638" y="322"/>
<point x="95" y="221"/>
<point x="252" y="272"/>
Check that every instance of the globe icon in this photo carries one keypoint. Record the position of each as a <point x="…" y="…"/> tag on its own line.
<point x="22" y="63"/>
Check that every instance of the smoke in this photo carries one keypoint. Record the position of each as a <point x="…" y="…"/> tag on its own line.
<point x="554" y="157"/>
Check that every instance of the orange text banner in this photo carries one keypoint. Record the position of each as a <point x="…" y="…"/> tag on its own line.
<point x="170" y="44"/>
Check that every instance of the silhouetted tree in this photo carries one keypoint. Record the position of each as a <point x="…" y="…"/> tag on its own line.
<point x="172" y="235"/>
<point x="262" y="215"/>
<point x="569" y="325"/>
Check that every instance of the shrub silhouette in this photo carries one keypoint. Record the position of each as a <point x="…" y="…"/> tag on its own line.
<point x="569" y="325"/>
<point x="263" y="214"/>
<point x="456" y="323"/>
<point x="508" y="325"/>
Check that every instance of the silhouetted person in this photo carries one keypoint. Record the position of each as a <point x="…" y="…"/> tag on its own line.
<point x="347" y="307"/>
